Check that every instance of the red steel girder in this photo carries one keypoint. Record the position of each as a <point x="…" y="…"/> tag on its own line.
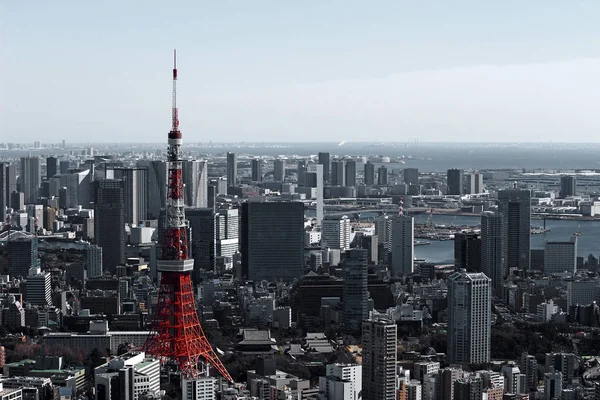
<point x="179" y="335"/>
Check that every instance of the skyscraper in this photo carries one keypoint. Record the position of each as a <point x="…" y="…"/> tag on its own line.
<point x="202" y="241"/>
<point x="402" y="245"/>
<point x="469" y="188"/>
<point x="195" y="173"/>
<point x="379" y="355"/>
<point x="39" y="288"/>
<point x="474" y="183"/>
<point x="109" y="222"/>
<point x="157" y="186"/>
<point x="515" y="207"/>
<point x="64" y="166"/>
<point x="51" y="167"/>
<point x="369" y="173"/>
<point x="467" y="252"/>
<point x="356" y="293"/>
<point x="337" y="172"/>
<point x="479" y="187"/>
<point x="279" y="170"/>
<point x="382" y="176"/>
<point x="336" y="232"/>
<point x="22" y="256"/>
<point x="455" y="182"/>
<point x="135" y="193"/>
<point x="94" y="261"/>
<point x="11" y="179"/>
<point x="560" y="257"/>
<point x="492" y="257"/>
<point x="301" y="172"/>
<point x="31" y="178"/>
<point x="324" y="161"/>
<point x="469" y="318"/>
<point x="568" y="186"/>
<point x="350" y="173"/>
<point x="529" y="367"/>
<point x="228" y="231"/>
<point x="257" y="173"/>
<point x="273" y="240"/>
<point x="411" y="176"/>
<point x="231" y="169"/>
<point x="316" y="182"/>
<point x="4" y="200"/>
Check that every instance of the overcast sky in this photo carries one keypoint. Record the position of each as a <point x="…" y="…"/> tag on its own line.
<point x="321" y="70"/>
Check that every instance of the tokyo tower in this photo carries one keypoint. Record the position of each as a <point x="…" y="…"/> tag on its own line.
<point x="176" y="332"/>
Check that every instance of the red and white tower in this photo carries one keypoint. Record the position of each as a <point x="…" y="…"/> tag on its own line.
<point x="177" y="335"/>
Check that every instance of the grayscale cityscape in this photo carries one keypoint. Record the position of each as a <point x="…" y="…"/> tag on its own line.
<point x="335" y="247"/>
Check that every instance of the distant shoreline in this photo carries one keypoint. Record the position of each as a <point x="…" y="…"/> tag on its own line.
<point x="536" y="217"/>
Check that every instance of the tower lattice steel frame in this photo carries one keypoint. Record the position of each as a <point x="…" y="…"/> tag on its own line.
<point x="176" y="331"/>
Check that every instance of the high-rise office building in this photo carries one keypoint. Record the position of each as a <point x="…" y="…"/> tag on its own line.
<point x="337" y="172"/>
<point x="383" y="230"/>
<point x="77" y="185"/>
<point x="11" y="178"/>
<point x="324" y="161"/>
<point x="273" y="240"/>
<point x="17" y="201"/>
<point x="411" y="176"/>
<point x="31" y="178"/>
<point x="469" y="187"/>
<point x="371" y="245"/>
<point x="568" y="186"/>
<point x="479" y="187"/>
<point x="157" y="186"/>
<point x="467" y="252"/>
<point x="39" y="288"/>
<point x="227" y="232"/>
<point x="231" y="169"/>
<point x="379" y="355"/>
<point x="314" y="179"/>
<point x="474" y="184"/>
<point x="341" y="381"/>
<point x="382" y="176"/>
<point x="109" y="221"/>
<point x="195" y="175"/>
<point x="563" y="363"/>
<point x="64" y="166"/>
<point x="560" y="257"/>
<point x="22" y="256"/>
<point x="553" y="385"/>
<point x="301" y="172"/>
<point x="492" y="256"/>
<point x="279" y="170"/>
<point x="350" y="173"/>
<point x="356" y="291"/>
<point x="257" y="173"/>
<point x="336" y="232"/>
<point x="515" y="207"/>
<point x="200" y="388"/>
<point x="401" y="245"/>
<point x="455" y="182"/>
<point x="94" y="261"/>
<point x="135" y="193"/>
<point x="52" y="167"/>
<point x="4" y="199"/>
<point x="369" y="173"/>
<point x="529" y="367"/>
<point x="203" y="226"/>
<point x="469" y="318"/>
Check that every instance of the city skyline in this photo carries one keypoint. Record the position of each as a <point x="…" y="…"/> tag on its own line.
<point x="270" y="71"/>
